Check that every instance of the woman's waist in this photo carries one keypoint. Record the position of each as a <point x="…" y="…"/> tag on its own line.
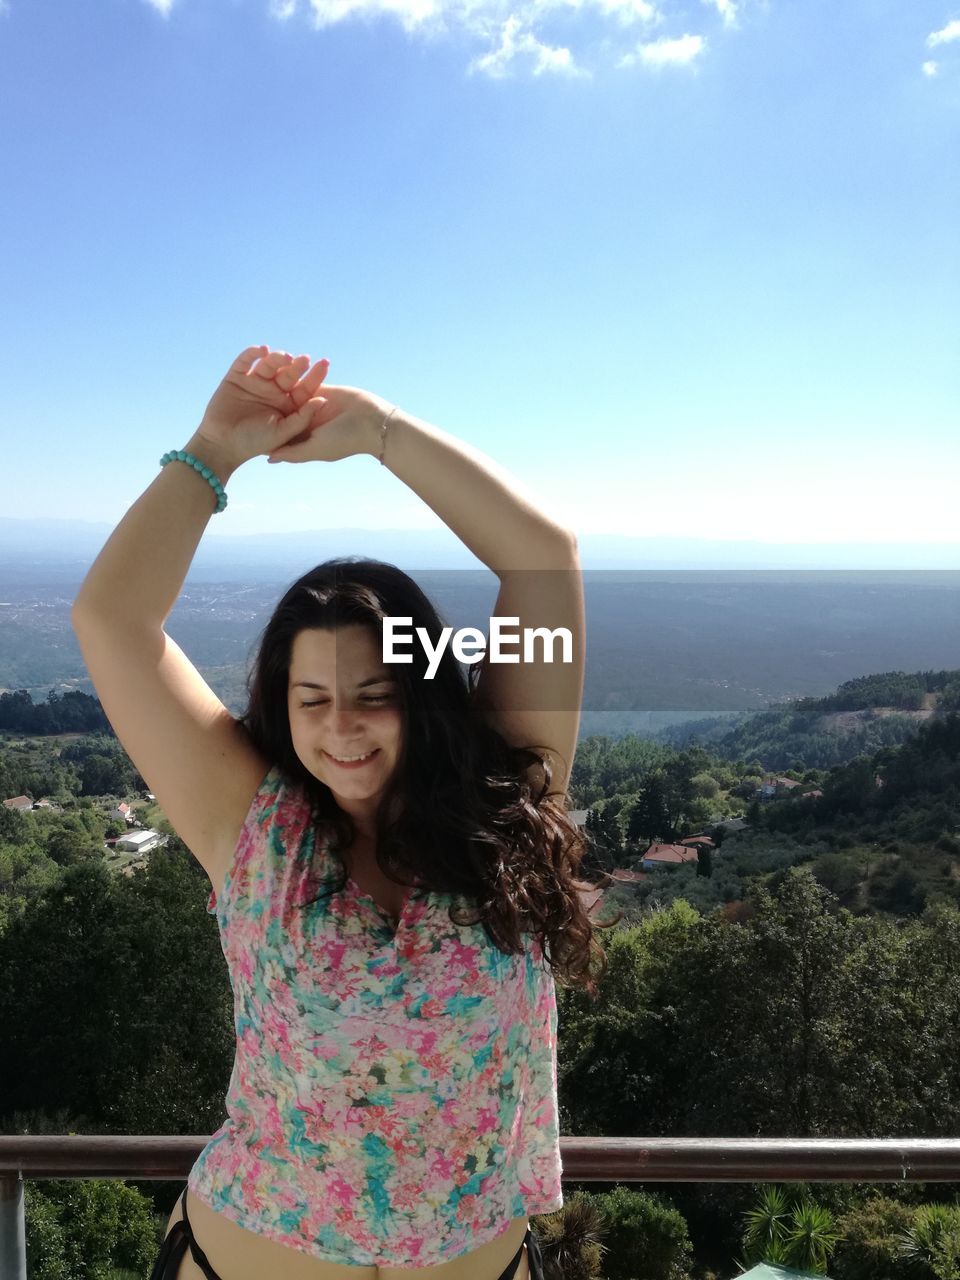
<point x="238" y="1252"/>
<point x="394" y="1206"/>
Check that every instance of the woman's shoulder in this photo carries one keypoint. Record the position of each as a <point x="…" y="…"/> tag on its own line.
<point x="283" y="796"/>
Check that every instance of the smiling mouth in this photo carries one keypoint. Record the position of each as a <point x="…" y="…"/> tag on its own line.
<point x="354" y="763"/>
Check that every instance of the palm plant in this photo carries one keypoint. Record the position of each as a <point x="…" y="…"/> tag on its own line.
<point x="789" y="1231"/>
<point x="934" y="1240"/>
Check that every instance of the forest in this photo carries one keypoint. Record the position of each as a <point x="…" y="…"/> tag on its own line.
<point x="804" y="980"/>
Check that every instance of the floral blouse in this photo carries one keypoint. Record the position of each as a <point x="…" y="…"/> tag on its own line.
<point x="393" y="1099"/>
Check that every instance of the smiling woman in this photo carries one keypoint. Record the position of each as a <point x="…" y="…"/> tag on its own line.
<point x="394" y="872"/>
<point x="391" y="811"/>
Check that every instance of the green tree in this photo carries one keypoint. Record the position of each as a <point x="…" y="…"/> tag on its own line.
<point x="70" y="842"/>
<point x="647" y="1239"/>
<point x="604" y="830"/>
<point x="99" y="775"/>
<point x="705" y="786"/>
<point x="649" y="818"/>
<point x="789" y="1230"/>
<point x="124" y="979"/>
<point x="86" y="1229"/>
<point x="871" y="1238"/>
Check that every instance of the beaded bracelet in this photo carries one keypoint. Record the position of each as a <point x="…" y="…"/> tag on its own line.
<point x="180" y="455"/>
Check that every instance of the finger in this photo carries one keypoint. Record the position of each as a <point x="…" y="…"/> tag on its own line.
<point x="274" y="360"/>
<point x="289" y="373"/>
<point x="295" y="425"/>
<point x="310" y="383"/>
<point x="287" y="453"/>
<point x="271" y="398"/>
<point x="245" y="359"/>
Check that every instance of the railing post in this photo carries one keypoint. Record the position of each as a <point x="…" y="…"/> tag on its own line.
<point x="13" y="1235"/>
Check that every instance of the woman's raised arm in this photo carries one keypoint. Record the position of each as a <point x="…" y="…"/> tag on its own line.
<point x="484" y="505"/>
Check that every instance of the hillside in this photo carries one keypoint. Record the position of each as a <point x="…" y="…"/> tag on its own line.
<point x="879" y="824"/>
<point x="863" y="716"/>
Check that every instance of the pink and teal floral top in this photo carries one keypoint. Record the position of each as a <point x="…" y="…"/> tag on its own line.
<point x="393" y="1100"/>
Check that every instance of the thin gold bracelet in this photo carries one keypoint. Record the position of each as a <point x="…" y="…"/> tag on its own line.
<point x="383" y="435"/>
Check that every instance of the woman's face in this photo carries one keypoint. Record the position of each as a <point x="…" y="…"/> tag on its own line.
<point x="344" y="702"/>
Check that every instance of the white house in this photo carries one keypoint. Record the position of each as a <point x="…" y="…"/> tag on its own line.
<point x="139" y="841"/>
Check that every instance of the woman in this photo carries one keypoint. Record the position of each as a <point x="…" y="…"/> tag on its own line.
<point x="393" y="880"/>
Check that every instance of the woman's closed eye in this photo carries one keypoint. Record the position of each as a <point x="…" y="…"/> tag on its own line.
<point x="371" y="698"/>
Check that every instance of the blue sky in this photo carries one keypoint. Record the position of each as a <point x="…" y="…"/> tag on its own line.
<point x="687" y="269"/>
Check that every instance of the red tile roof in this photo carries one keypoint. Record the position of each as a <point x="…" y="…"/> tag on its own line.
<point x="673" y="854"/>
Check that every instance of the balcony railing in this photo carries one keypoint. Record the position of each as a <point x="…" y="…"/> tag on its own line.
<point x="153" y="1158"/>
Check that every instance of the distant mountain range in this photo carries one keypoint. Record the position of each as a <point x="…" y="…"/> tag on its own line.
<point x="69" y="546"/>
<point x="664" y="646"/>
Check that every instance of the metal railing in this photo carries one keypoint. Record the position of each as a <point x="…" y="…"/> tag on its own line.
<point x="153" y="1158"/>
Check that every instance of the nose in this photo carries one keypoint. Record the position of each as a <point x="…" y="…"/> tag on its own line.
<point x="344" y="718"/>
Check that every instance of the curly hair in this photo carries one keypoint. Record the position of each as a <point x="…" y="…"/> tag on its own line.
<point x="459" y="812"/>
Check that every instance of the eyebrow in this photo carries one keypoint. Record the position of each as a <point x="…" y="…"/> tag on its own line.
<point x="309" y="684"/>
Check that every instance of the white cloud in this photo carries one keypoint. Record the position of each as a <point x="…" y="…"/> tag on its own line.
<point x="486" y="20"/>
<point x="667" y="53"/>
<point x="509" y="32"/>
<point x="509" y="27"/>
<point x="411" y="13"/>
<point x="929" y="68"/>
<point x="626" y="10"/>
<point x="514" y="43"/>
<point x="727" y="10"/>
<point x="944" y="36"/>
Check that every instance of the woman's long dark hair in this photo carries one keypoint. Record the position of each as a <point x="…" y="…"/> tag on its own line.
<point x="458" y="813"/>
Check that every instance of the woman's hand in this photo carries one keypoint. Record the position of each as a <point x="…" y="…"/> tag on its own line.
<point x="264" y="401"/>
<point x="345" y="422"/>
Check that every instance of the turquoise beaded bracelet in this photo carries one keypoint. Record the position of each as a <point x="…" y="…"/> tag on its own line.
<point x="180" y="455"/>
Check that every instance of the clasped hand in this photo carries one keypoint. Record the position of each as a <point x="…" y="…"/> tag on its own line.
<point x="268" y="403"/>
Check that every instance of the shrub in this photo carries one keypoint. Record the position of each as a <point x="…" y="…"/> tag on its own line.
<point x="84" y="1229"/>
<point x="934" y="1240"/>
<point x="871" y="1241"/>
<point x="646" y="1238"/>
<point x="569" y="1239"/>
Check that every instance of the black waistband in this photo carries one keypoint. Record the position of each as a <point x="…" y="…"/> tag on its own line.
<point x="199" y="1257"/>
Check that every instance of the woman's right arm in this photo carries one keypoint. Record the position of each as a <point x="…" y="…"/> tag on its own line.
<point x="193" y="754"/>
<point x="141" y="570"/>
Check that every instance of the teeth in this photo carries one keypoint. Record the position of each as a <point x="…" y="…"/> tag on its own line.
<point x="351" y="759"/>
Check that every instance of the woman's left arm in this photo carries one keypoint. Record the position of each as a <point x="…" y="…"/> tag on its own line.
<point x="481" y="502"/>
<point x="533" y="698"/>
